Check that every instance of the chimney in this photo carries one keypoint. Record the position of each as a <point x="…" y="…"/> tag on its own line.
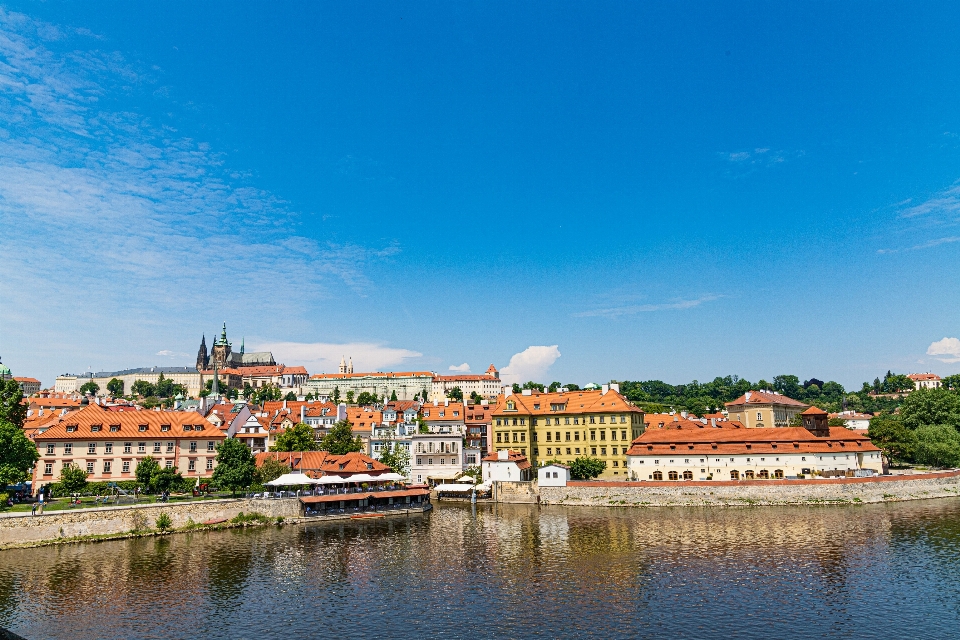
<point x="284" y="403"/>
<point x="301" y="413"/>
<point x="615" y="386"/>
<point x="503" y="454"/>
<point x="603" y="389"/>
<point x="746" y="397"/>
<point x="713" y="422"/>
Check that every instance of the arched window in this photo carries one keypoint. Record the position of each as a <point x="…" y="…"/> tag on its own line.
<point x="734" y="475"/>
<point x="688" y="475"/>
<point x="658" y="475"/>
<point x="748" y="474"/>
<point x="672" y="475"/>
<point x="763" y="473"/>
<point x="778" y="473"/>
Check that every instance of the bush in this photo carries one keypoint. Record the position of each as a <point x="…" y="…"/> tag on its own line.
<point x="938" y="446"/>
<point x="164" y="523"/>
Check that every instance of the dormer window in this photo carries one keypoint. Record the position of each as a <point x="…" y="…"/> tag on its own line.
<point x="114" y="428"/>
<point x="143" y="427"/>
<point x="164" y="427"/>
<point x="536" y="405"/>
<point x="71" y="428"/>
<point x="95" y="428"/>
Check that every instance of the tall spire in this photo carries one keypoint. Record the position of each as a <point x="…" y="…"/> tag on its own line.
<point x="350" y="366"/>
<point x="343" y="364"/>
<point x="242" y="340"/>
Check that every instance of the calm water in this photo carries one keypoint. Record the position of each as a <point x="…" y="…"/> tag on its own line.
<point x="512" y="571"/>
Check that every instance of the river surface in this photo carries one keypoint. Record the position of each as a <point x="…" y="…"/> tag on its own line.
<point x="866" y="571"/>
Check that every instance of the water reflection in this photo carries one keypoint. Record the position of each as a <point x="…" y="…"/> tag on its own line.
<point x="511" y="570"/>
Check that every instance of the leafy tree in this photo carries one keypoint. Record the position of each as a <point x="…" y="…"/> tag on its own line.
<point x="572" y="387"/>
<point x="788" y="385"/>
<point x="530" y="384"/>
<point x="951" y="382"/>
<point x="12" y="409"/>
<point x="476" y="397"/>
<point x="73" y="479"/>
<point x="146" y="469"/>
<point x="422" y="426"/>
<point x="297" y="438"/>
<point x="336" y="395"/>
<point x="931" y="406"/>
<point x="585" y="468"/>
<point x="339" y="440"/>
<point x="424" y="395"/>
<point x="115" y="387"/>
<point x="393" y="396"/>
<point x="290" y="397"/>
<point x="366" y="398"/>
<point x="89" y="387"/>
<point x="164" y="522"/>
<point x="350" y="397"/>
<point x="455" y="394"/>
<point x="836" y="422"/>
<point x="18" y="454"/>
<point x="267" y="393"/>
<point x="895" y="440"/>
<point x="164" y="479"/>
<point x="554" y="387"/>
<point x="396" y="456"/>
<point x="235" y="468"/>
<point x="271" y="469"/>
<point x="938" y="445"/>
<point x="516" y="388"/>
<point x="247" y="390"/>
<point x="763" y="385"/>
<point x="143" y="389"/>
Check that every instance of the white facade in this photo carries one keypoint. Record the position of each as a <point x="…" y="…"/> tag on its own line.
<point x="505" y="466"/>
<point x="406" y="385"/>
<point x="925" y="380"/>
<point x="553" y="475"/>
<point x="435" y="457"/>
<point x="680" y="466"/>
<point x="487" y="386"/>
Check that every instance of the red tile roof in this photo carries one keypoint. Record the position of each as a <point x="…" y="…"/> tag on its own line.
<point x="180" y="424"/>
<point x="814" y="411"/>
<point x="378" y="374"/>
<point x="765" y="397"/>
<point x="351" y="463"/>
<point x="923" y="376"/>
<point x="572" y="401"/>
<point x="743" y="441"/>
<point x="300" y="460"/>
<point x="512" y="456"/>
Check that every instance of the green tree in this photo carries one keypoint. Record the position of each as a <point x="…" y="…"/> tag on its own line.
<point x="164" y="522"/>
<point x="396" y="456"/>
<point x="297" y="438"/>
<point x="586" y="467"/>
<point x="938" y="445"/>
<point x="115" y="387"/>
<point x="951" y="382"/>
<point x="422" y="426"/>
<point x="931" y="406"/>
<point x="350" y="397"/>
<point x="73" y="479"/>
<point x="836" y="422"/>
<point x="164" y="479"/>
<point x="336" y="395"/>
<point x="12" y="408"/>
<point x="18" y="454"/>
<point x="424" y="395"/>
<point x="143" y="389"/>
<point x="516" y="388"/>
<point x="247" y="390"/>
<point x="554" y="387"/>
<point x="290" y="397"/>
<point x="146" y="469"/>
<point x="530" y="384"/>
<point x="393" y="396"/>
<point x="268" y="393"/>
<point x="895" y="440"/>
<point x="787" y="385"/>
<point x="572" y="387"/>
<point x="366" y="398"/>
<point x="476" y="397"/>
<point x="235" y="468"/>
<point x="89" y="387"/>
<point x="455" y="394"/>
<point x="271" y="469"/>
<point x="339" y="440"/>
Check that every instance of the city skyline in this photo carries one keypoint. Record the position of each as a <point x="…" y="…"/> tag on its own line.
<point x="571" y="192"/>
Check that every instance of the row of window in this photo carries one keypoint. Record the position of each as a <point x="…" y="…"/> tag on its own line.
<point x="441" y="447"/>
<point x="125" y="466"/>
<point x="687" y="460"/>
<point x="127" y="447"/>
<point x="429" y="461"/>
<point x="506" y="422"/>
<point x="551" y="436"/>
<point x="115" y="428"/>
<point x="576" y="451"/>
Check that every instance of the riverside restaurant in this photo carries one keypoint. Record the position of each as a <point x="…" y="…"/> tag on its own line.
<point x="370" y="494"/>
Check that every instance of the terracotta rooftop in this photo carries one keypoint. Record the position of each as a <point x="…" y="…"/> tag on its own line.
<point x="92" y="423"/>
<point x="765" y="397"/>
<point x="742" y="441"/>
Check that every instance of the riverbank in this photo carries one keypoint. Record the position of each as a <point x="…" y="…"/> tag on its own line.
<point x="756" y="492"/>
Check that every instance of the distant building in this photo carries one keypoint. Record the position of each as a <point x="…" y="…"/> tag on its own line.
<point x="854" y="420"/>
<point x="5" y="373"/>
<point x="506" y="466"/>
<point x="407" y="385"/>
<point x="764" y="409"/>
<point x="223" y="357"/>
<point x="487" y="386"/>
<point x="478" y="423"/>
<point x="925" y="380"/>
<point x="189" y="377"/>
<point x="29" y="386"/>
<point x="444" y="416"/>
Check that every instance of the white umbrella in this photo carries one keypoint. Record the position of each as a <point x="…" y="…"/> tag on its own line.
<point x="391" y="476"/>
<point x="291" y="479"/>
<point x="361" y="477"/>
<point x="331" y="480"/>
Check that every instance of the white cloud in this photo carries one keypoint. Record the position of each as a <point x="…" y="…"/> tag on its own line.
<point x="946" y="350"/>
<point x="614" y="312"/>
<point x="167" y="352"/>
<point x="462" y="368"/>
<point x="322" y="357"/>
<point x="530" y="364"/>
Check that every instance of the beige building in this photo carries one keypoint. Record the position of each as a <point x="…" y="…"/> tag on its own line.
<point x="406" y="384"/>
<point x="564" y="426"/>
<point x="29" y="386"/>
<point x="488" y="386"/>
<point x="763" y="409"/>
<point x="189" y="377"/>
<point x="696" y="451"/>
<point x="110" y="444"/>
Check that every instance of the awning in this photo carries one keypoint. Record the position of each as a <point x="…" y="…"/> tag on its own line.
<point x="331" y="480"/>
<point x="451" y="475"/>
<point x="350" y="497"/>
<point x="291" y="479"/>
<point x="361" y="477"/>
<point x="391" y="476"/>
<point x="453" y="488"/>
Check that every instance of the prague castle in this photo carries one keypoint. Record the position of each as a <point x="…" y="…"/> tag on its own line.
<point x="222" y="357"/>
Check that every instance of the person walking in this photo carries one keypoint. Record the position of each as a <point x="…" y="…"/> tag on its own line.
<point x="33" y="509"/>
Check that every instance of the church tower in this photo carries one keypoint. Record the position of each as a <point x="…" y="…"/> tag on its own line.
<point x="220" y="353"/>
<point x="350" y="366"/>
<point x="202" y="359"/>
<point x="343" y="365"/>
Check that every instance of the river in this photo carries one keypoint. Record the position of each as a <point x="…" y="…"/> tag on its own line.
<point x="887" y="570"/>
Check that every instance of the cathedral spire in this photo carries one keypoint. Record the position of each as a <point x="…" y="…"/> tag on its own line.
<point x="202" y="360"/>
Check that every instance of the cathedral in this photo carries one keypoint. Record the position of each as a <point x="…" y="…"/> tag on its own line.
<point x="223" y="357"/>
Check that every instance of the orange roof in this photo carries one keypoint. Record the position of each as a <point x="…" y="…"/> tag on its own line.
<point x="295" y="371"/>
<point x="765" y="397"/>
<point x="451" y="411"/>
<point x="923" y="376"/>
<point x="466" y="377"/>
<point x="676" y="421"/>
<point x="364" y="417"/>
<point x="26" y="379"/>
<point x="350" y="463"/>
<point x="491" y="369"/>
<point x="378" y="374"/>
<point x="572" y="402"/>
<point x="742" y="441"/>
<point x="294" y="406"/>
<point x="79" y="425"/>
<point x="814" y="411"/>
<point x="512" y="456"/>
<point x="302" y="460"/>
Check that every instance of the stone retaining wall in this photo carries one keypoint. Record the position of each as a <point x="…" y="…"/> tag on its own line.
<point x="725" y="493"/>
<point x="18" y="529"/>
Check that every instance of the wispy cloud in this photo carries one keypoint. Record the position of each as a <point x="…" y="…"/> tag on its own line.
<point x="946" y="202"/>
<point x="530" y="364"/>
<point x="933" y="216"/>
<point x="926" y="245"/>
<point x="631" y="309"/>
<point x="746" y="161"/>
<point x="460" y="368"/>
<point x="117" y="215"/>
<point x="320" y="357"/>
<point x="946" y="350"/>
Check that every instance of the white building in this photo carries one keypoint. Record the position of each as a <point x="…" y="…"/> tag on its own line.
<point x="506" y="466"/>
<point x="854" y="420"/>
<point x="435" y="457"/>
<point x="729" y="453"/>
<point x="925" y="380"/>
<point x="488" y="385"/>
<point x="406" y="384"/>
<point x="553" y="475"/>
<point x="189" y="377"/>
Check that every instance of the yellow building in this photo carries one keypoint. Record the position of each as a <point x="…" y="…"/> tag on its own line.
<point x="567" y="425"/>
<point x="763" y="409"/>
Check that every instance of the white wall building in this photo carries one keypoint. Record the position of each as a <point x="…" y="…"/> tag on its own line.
<point x="406" y="384"/>
<point x="925" y="380"/>
<point x="506" y="466"/>
<point x="487" y="385"/>
<point x="435" y="457"/>
<point x="553" y="475"/>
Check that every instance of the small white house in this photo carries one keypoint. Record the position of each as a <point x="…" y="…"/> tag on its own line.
<point x="506" y="466"/>
<point x="553" y="475"/>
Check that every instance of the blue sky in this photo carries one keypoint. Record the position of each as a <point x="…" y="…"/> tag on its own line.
<point x="594" y="191"/>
